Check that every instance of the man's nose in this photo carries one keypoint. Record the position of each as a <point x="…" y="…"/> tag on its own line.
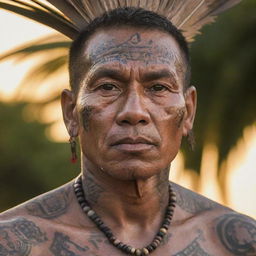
<point x="133" y="110"/>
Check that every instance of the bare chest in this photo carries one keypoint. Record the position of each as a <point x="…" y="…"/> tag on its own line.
<point x="183" y="243"/>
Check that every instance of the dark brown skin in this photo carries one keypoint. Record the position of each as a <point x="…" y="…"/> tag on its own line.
<point x="130" y="114"/>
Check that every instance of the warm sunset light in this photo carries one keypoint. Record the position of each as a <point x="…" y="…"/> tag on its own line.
<point x="234" y="184"/>
<point x="18" y="31"/>
<point x="237" y="174"/>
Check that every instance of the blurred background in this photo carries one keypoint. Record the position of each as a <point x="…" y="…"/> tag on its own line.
<point x="34" y="149"/>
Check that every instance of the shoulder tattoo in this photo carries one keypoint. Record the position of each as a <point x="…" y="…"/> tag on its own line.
<point x="237" y="233"/>
<point x="50" y="206"/>
<point x="18" y="236"/>
<point x="192" y="202"/>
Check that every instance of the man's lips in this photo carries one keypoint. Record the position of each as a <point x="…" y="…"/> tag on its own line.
<point x="130" y="140"/>
<point x="133" y="144"/>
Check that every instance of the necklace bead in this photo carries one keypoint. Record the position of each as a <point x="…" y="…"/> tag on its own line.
<point x="92" y="215"/>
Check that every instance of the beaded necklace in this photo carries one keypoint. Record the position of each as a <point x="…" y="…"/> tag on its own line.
<point x="78" y="187"/>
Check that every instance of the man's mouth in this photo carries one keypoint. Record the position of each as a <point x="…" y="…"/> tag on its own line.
<point x="130" y="144"/>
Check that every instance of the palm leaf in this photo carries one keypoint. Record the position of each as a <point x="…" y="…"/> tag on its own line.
<point x="31" y="49"/>
<point x="74" y="15"/>
<point x="55" y="66"/>
<point x="42" y="16"/>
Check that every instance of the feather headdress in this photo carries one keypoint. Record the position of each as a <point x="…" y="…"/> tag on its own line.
<point x="69" y="17"/>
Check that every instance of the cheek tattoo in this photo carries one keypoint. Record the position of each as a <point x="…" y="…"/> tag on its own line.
<point x="179" y="116"/>
<point x="85" y="116"/>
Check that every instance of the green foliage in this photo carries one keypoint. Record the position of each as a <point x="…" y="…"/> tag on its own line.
<point x="30" y="163"/>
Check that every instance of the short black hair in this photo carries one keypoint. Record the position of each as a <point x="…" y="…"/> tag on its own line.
<point x="120" y="17"/>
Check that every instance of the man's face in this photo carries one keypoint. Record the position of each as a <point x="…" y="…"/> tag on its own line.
<point x="131" y="104"/>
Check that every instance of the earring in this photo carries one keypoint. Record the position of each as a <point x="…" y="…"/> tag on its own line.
<point x="72" y="142"/>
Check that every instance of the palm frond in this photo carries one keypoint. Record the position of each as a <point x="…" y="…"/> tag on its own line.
<point x="43" y="16"/>
<point x="44" y="70"/>
<point x="30" y="49"/>
<point x="73" y="15"/>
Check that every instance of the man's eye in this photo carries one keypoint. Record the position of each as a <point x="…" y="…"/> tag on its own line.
<point x="108" y="90"/>
<point x="108" y="87"/>
<point x="158" y="88"/>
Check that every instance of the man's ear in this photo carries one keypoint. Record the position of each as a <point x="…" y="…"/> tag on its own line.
<point x="68" y="104"/>
<point x="190" y="100"/>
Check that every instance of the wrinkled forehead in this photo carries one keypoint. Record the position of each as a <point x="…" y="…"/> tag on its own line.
<point x="143" y="47"/>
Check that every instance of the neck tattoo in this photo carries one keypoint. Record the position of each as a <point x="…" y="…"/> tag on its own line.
<point x="78" y="187"/>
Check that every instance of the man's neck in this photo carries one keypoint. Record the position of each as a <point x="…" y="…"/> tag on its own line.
<point x="124" y="203"/>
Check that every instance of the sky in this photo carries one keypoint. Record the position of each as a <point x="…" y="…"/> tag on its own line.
<point x="16" y="30"/>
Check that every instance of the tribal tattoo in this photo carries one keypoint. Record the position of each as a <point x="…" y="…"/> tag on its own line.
<point x="166" y="239"/>
<point x="62" y="245"/>
<point x="162" y="183"/>
<point x="91" y="189"/>
<point x="180" y="113"/>
<point x="192" y="202"/>
<point x="97" y="239"/>
<point x="194" y="248"/>
<point x="50" y="206"/>
<point x="18" y="236"/>
<point x="133" y="49"/>
<point x="85" y="116"/>
<point x="238" y="234"/>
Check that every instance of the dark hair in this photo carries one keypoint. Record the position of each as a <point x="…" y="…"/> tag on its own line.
<point x="126" y="16"/>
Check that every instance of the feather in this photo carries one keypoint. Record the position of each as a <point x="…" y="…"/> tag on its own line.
<point x="73" y="15"/>
<point x="199" y="13"/>
<point x="69" y="11"/>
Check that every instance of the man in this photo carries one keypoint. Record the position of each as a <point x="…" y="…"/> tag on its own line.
<point x="130" y="105"/>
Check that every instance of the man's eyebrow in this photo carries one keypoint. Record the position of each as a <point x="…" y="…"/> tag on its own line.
<point x="154" y="75"/>
<point x="107" y="72"/>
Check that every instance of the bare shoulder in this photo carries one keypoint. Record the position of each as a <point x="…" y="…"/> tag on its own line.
<point x="236" y="233"/>
<point x="47" y="225"/>
<point x="28" y="228"/>
<point x="222" y="230"/>
<point x="194" y="203"/>
<point x="50" y="205"/>
<point x="18" y="236"/>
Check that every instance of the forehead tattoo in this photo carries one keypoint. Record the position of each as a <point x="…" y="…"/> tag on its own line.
<point x="133" y="49"/>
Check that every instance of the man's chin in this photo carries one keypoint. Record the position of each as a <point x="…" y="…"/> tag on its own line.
<point x="132" y="172"/>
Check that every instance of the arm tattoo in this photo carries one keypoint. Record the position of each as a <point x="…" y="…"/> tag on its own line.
<point x="50" y="206"/>
<point x="238" y="234"/>
<point x="193" y="249"/>
<point x="192" y="202"/>
<point x="63" y="246"/>
<point x="17" y="237"/>
<point x="132" y="49"/>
